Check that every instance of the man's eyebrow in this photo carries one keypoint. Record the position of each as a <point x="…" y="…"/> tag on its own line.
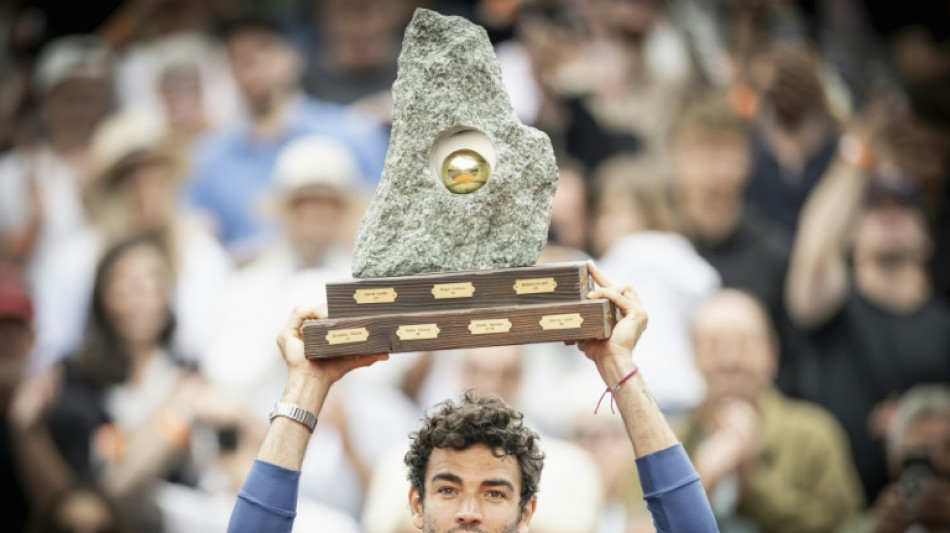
<point x="498" y="483"/>
<point x="443" y="476"/>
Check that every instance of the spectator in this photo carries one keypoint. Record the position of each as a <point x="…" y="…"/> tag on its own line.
<point x="136" y="179"/>
<point x="353" y="59"/>
<point x="710" y="161"/>
<point x="234" y="164"/>
<point x="42" y="185"/>
<point x="29" y="471"/>
<point x="918" y="446"/>
<point x="568" y="227"/>
<point x="127" y="407"/>
<point x="768" y="463"/>
<point x="795" y="138"/>
<point x="637" y="69"/>
<point x="605" y="439"/>
<point x="634" y="232"/>
<point x="182" y="79"/>
<point x="542" y="69"/>
<point x="867" y="316"/>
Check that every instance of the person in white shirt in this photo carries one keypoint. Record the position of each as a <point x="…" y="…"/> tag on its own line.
<point x="635" y="235"/>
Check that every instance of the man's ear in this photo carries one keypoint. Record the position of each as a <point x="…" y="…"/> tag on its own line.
<point x="415" y="506"/>
<point x="526" y="515"/>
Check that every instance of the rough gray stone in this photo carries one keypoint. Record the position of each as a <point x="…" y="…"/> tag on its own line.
<point x="449" y="77"/>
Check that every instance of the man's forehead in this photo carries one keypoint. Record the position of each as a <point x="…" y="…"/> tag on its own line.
<point x="474" y="464"/>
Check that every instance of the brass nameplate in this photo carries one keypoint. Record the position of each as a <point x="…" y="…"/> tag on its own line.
<point x="418" y="331"/>
<point x="375" y="296"/>
<point x="453" y="290"/>
<point x="535" y="286"/>
<point x="346" y="336"/>
<point x="568" y="321"/>
<point x="491" y="325"/>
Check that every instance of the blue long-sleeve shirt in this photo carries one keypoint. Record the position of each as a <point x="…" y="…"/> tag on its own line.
<point x="268" y="499"/>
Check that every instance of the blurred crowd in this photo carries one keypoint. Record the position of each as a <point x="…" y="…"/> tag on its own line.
<point x="772" y="176"/>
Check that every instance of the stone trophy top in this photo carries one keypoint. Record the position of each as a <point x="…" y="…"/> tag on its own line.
<point x="466" y="186"/>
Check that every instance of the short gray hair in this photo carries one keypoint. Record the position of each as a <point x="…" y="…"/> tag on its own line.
<point x="922" y="401"/>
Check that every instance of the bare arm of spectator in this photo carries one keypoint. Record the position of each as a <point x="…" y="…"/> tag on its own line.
<point x="44" y="472"/>
<point x="158" y="446"/>
<point x="818" y="272"/>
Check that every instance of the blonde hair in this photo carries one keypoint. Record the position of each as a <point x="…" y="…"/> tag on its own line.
<point x="708" y="112"/>
<point x="642" y="180"/>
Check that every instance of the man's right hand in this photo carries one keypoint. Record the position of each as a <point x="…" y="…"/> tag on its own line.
<point x="327" y="371"/>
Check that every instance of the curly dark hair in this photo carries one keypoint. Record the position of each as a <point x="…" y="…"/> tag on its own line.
<point x="477" y="419"/>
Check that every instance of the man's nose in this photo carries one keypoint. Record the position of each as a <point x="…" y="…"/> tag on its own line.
<point x="469" y="512"/>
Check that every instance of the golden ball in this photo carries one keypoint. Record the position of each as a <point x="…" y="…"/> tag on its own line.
<point x="465" y="171"/>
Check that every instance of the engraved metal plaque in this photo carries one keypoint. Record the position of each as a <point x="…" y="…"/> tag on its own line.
<point x="417" y="332"/>
<point x="375" y="296"/>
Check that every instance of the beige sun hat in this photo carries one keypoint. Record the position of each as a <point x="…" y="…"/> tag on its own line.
<point x="314" y="165"/>
<point x="126" y="139"/>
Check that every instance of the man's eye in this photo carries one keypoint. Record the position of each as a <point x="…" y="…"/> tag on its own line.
<point x="445" y="490"/>
<point x="496" y="494"/>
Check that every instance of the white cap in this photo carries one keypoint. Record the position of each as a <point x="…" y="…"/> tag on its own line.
<point x="72" y="56"/>
<point x="315" y="161"/>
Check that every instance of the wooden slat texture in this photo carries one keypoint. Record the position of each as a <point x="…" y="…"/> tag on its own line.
<point x="471" y="290"/>
<point x="378" y="334"/>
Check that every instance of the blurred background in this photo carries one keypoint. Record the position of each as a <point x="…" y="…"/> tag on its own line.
<point x="771" y="175"/>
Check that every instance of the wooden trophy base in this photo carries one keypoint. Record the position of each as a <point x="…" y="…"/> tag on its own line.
<point x="459" y="310"/>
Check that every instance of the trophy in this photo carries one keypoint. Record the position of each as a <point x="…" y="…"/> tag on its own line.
<point x="444" y="255"/>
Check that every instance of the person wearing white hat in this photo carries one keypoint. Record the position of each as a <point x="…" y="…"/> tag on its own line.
<point x="315" y="183"/>
<point x="41" y="184"/>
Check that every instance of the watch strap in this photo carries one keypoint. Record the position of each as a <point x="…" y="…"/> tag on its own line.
<point x="295" y="413"/>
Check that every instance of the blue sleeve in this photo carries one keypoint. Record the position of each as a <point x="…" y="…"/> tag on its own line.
<point x="674" y="495"/>
<point x="267" y="500"/>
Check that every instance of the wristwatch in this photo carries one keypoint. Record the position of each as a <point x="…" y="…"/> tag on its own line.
<point x="293" y="412"/>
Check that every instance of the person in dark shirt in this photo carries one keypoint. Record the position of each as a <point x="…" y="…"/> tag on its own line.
<point x="876" y="326"/>
<point x="795" y="137"/>
<point x="353" y="59"/>
<point x="710" y="161"/>
<point x="31" y="472"/>
<point x="16" y="339"/>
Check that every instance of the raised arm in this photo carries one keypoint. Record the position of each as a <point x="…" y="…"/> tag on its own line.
<point x="267" y="500"/>
<point x="817" y="282"/>
<point x="671" y="486"/>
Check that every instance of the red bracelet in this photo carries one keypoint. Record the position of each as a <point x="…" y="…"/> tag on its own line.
<point x="615" y="388"/>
